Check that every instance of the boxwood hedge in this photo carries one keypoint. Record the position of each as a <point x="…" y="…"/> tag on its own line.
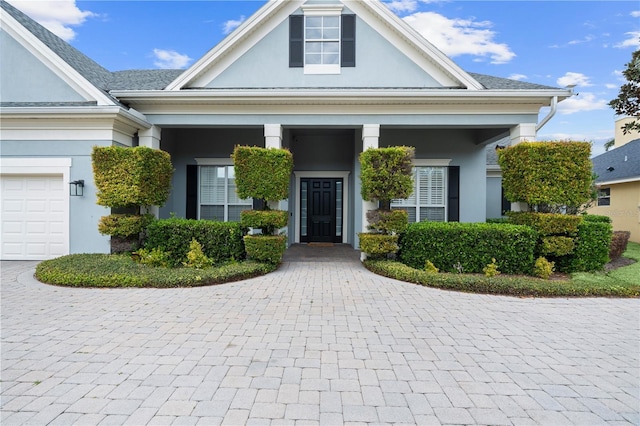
<point x="470" y="246"/>
<point x="220" y="241"/>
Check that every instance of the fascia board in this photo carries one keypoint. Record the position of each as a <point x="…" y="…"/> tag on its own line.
<point x="133" y="118"/>
<point x="230" y="42"/>
<point x="407" y="32"/>
<point x="55" y="63"/>
<point x="618" y="181"/>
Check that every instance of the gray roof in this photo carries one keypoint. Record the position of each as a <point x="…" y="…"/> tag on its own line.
<point x="624" y="162"/>
<point x="157" y="79"/>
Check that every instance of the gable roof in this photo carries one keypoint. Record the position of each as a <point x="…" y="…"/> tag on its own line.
<point x="624" y="162"/>
<point x="275" y="12"/>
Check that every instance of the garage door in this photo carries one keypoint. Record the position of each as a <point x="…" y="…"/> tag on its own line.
<point x="34" y="222"/>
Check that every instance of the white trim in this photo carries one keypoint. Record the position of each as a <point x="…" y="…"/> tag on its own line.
<point x="52" y="61"/>
<point x="214" y="161"/>
<point x="344" y="175"/>
<point x="26" y="166"/>
<point x="322" y="69"/>
<point x="435" y="162"/>
<point x="614" y="182"/>
<point x="322" y="9"/>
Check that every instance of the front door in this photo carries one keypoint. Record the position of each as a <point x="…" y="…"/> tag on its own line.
<point x="321" y="215"/>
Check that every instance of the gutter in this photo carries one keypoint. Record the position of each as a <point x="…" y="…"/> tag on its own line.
<point x="545" y="120"/>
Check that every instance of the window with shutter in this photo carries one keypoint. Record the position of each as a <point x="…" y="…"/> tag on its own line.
<point x="429" y="198"/>
<point x="218" y="198"/>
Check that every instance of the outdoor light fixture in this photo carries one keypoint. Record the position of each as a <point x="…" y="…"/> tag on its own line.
<point x="76" y="188"/>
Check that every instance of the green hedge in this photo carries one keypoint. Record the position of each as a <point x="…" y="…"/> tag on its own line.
<point x="378" y="245"/>
<point x="591" y="250"/>
<point x="268" y="221"/>
<point x="547" y="223"/>
<point x="220" y="241"/>
<point x="469" y="245"/>
<point x="124" y="225"/>
<point x="262" y="173"/>
<point x="266" y="248"/>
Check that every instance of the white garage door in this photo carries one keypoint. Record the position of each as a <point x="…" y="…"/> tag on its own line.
<point x="34" y="222"/>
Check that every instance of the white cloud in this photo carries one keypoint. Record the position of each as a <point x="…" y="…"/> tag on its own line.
<point x="170" y="59"/>
<point x="635" y="14"/>
<point x="575" y="79"/>
<point x="460" y="36"/>
<point x="632" y="40"/>
<point x="232" y="24"/>
<point x="582" y="102"/>
<point x="517" y="77"/>
<point x="402" y="5"/>
<point x="611" y="86"/>
<point x="58" y="16"/>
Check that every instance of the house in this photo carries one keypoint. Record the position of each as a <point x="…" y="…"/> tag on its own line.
<point x="618" y="182"/>
<point x="334" y="78"/>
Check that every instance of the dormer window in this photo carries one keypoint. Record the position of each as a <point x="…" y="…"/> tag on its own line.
<point x="322" y="40"/>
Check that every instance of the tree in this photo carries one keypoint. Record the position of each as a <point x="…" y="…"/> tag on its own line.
<point x="628" y="101"/>
<point x="609" y="144"/>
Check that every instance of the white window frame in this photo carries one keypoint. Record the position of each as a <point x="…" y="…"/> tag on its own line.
<point x="322" y="11"/>
<point x="603" y="196"/>
<point x="418" y="204"/>
<point x="214" y="162"/>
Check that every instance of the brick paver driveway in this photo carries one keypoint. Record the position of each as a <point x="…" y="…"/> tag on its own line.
<point x="315" y="342"/>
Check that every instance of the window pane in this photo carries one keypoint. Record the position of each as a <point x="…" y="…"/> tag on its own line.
<point x="212" y="185"/>
<point x="314" y="33"/>
<point x="331" y="59"/>
<point x="339" y="208"/>
<point x="313" y="59"/>
<point x="234" y="213"/>
<point x="212" y="213"/>
<point x="314" y="47"/>
<point x="331" y="34"/>
<point x="432" y="214"/>
<point x="331" y="21"/>
<point x="314" y="21"/>
<point x="303" y="208"/>
<point x="330" y="47"/>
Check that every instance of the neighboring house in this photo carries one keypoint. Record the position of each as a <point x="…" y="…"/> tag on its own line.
<point x="618" y="182"/>
<point x="325" y="79"/>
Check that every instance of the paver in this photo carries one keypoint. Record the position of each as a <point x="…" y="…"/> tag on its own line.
<point x="316" y="342"/>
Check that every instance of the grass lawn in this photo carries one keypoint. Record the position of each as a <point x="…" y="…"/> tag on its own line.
<point x="621" y="282"/>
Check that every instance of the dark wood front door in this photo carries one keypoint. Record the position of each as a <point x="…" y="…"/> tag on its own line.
<point x="322" y="197"/>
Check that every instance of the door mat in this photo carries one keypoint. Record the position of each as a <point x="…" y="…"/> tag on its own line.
<point x="320" y="244"/>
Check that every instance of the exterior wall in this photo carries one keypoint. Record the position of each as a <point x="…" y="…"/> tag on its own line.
<point x="494" y="197"/>
<point x="460" y="147"/>
<point x="620" y="137"/>
<point x="185" y="145"/>
<point x="84" y="213"/>
<point x="30" y="80"/>
<point x="378" y="64"/>
<point x="624" y="210"/>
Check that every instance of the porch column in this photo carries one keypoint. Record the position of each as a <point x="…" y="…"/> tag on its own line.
<point x="370" y="139"/>
<point x="272" y="136"/>
<point x="150" y="137"/>
<point x="521" y="133"/>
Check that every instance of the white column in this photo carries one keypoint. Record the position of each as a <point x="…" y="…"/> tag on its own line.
<point x="150" y="137"/>
<point x="272" y="136"/>
<point x="370" y="139"/>
<point x="523" y="132"/>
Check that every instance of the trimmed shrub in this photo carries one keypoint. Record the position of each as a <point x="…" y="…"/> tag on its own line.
<point x="220" y="241"/>
<point x="471" y="246"/>
<point x="131" y="177"/>
<point x="547" y="223"/>
<point x="378" y="245"/>
<point x="267" y="220"/>
<point x="124" y="225"/>
<point x="556" y="245"/>
<point x="195" y="257"/>
<point x="154" y="257"/>
<point x="543" y="268"/>
<point x="388" y="221"/>
<point x="619" y="241"/>
<point x="491" y="270"/>
<point x="262" y="173"/>
<point x="498" y="220"/>
<point x="386" y="173"/>
<point x="430" y="267"/>
<point x="547" y="174"/>
<point x="596" y="218"/>
<point x="592" y="249"/>
<point x="266" y="248"/>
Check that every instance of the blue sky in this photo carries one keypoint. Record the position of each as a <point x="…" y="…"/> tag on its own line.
<point x="557" y="43"/>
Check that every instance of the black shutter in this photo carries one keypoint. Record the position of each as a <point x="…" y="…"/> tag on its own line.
<point x="192" y="192"/>
<point x="453" y="196"/>
<point x="296" y="41"/>
<point x="348" y="46"/>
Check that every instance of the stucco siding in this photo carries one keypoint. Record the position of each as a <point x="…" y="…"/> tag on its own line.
<point x="29" y="80"/>
<point x="494" y="197"/>
<point x="624" y="210"/>
<point x="378" y="64"/>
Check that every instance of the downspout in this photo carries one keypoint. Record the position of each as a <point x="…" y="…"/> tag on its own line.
<point x="545" y="120"/>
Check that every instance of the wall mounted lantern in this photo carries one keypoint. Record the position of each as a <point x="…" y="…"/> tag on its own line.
<point x="76" y="188"/>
